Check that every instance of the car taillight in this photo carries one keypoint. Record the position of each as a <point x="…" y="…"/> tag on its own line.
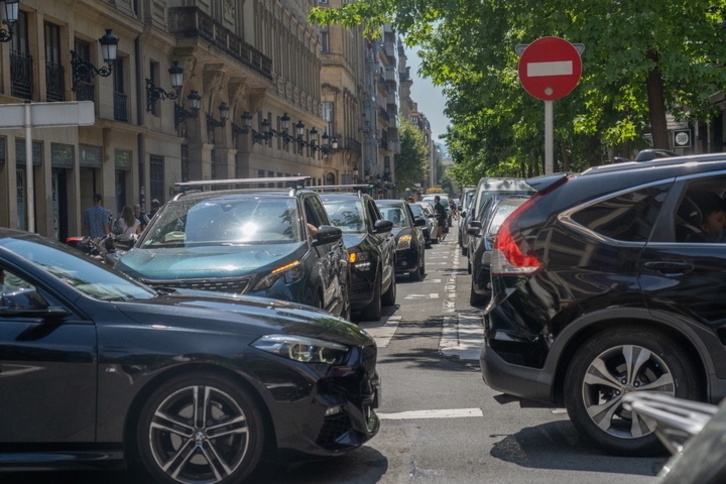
<point x="511" y="254"/>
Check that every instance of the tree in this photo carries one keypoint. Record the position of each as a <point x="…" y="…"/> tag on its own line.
<point x="411" y="163"/>
<point x="642" y="59"/>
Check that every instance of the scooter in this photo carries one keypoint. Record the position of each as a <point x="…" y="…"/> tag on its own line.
<point x="107" y="249"/>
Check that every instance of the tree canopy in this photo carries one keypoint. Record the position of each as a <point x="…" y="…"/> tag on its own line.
<point x="643" y="59"/>
<point x="410" y="163"/>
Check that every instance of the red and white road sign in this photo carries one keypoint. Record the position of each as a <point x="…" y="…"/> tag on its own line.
<point x="550" y="68"/>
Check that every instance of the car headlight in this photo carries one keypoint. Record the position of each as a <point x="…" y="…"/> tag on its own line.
<point x="303" y="349"/>
<point x="360" y="260"/>
<point x="292" y="272"/>
<point x="404" y="242"/>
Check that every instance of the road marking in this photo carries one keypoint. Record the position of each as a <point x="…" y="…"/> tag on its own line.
<point x="382" y="331"/>
<point x="433" y="295"/>
<point x="429" y="414"/>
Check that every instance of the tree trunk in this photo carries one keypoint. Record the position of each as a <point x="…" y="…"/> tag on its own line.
<point x="656" y="103"/>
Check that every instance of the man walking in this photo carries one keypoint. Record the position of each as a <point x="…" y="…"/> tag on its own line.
<point x="97" y="219"/>
<point x="440" y="212"/>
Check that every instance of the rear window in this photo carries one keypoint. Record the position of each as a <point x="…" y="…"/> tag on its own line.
<point x="628" y="217"/>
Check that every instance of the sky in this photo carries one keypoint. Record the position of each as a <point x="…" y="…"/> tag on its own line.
<point x="429" y="98"/>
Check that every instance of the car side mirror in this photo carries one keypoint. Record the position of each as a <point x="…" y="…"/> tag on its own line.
<point x="328" y="234"/>
<point x="475" y="231"/>
<point x="462" y="213"/>
<point x="475" y="224"/>
<point x="383" y="226"/>
<point x="419" y="222"/>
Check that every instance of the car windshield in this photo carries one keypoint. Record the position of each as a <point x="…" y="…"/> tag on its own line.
<point x="395" y="214"/>
<point x="444" y="201"/>
<point x="225" y="220"/>
<point x="347" y="215"/>
<point x="501" y="212"/>
<point x="417" y="210"/>
<point x="77" y="270"/>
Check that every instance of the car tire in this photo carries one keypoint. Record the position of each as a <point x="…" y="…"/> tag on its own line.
<point x="617" y="362"/>
<point x="373" y="311"/>
<point x="389" y="297"/>
<point x="173" y="447"/>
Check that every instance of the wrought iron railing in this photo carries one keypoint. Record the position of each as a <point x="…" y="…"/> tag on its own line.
<point x="120" y="107"/>
<point x="21" y="75"/>
<point x="190" y="22"/>
<point x="55" y="84"/>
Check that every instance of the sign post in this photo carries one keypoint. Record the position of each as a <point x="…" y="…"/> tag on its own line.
<point x="549" y="69"/>
<point x="29" y="115"/>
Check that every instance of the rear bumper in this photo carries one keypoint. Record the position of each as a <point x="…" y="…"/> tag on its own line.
<point x="525" y="383"/>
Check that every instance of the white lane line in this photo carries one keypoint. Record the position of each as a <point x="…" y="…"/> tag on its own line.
<point x="382" y="331"/>
<point x="433" y="295"/>
<point x="428" y="414"/>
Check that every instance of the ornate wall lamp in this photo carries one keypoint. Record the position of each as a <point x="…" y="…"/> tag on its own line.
<point x="223" y="116"/>
<point x="329" y="144"/>
<point x="9" y="14"/>
<point x="83" y="70"/>
<point x="181" y="114"/>
<point x="154" y="93"/>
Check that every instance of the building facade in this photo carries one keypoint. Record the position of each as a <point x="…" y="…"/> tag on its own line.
<point x="253" y="65"/>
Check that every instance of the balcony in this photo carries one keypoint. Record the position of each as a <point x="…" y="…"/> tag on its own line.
<point x="383" y="114"/>
<point x="353" y="146"/>
<point x="190" y="22"/>
<point x="55" y="89"/>
<point x="21" y="75"/>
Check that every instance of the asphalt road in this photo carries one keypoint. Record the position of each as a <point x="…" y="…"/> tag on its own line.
<point x="439" y="422"/>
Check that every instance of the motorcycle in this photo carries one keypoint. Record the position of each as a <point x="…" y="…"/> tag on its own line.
<point x="107" y="249"/>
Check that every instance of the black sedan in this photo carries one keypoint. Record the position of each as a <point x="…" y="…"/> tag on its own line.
<point x="98" y="368"/>
<point x="410" y="242"/>
<point x="371" y="252"/>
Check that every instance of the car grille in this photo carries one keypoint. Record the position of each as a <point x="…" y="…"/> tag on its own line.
<point x="369" y="358"/>
<point x="333" y="428"/>
<point x="232" y="285"/>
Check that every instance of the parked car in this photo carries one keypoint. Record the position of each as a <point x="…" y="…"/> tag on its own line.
<point x="495" y="211"/>
<point x="421" y="212"/>
<point x="275" y="243"/>
<point x="99" y="369"/>
<point x="371" y="251"/>
<point x="599" y="291"/>
<point x="692" y="431"/>
<point x="428" y="209"/>
<point x="485" y="189"/>
<point x="467" y="198"/>
<point x="410" y="243"/>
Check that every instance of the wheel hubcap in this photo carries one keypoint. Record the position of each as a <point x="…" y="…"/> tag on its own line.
<point x="617" y="372"/>
<point x="199" y="434"/>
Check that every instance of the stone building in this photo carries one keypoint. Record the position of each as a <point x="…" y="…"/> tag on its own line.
<point x="252" y="66"/>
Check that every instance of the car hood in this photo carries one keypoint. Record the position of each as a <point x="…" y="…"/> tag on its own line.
<point x="351" y="240"/>
<point x="189" y="310"/>
<point x="206" y="261"/>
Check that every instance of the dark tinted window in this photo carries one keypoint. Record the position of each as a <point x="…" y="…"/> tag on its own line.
<point x="628" y="217"/>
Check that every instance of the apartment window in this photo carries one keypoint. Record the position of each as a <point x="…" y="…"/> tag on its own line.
<point x="85" y="90"/>
<point x="324" y="40"/>
<point x="156" y="177"/>
<point x="21" y="62"/>
<point x="327" y="115"/>
<point x="154" y="78"/>
<point x="120" y="102"/>
<point x="55" y="86"/>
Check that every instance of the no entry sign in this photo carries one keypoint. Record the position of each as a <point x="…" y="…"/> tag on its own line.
<point x="550" y="68"/>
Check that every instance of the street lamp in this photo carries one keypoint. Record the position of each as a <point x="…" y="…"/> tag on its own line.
<point x="154" y="93"/>
<point x="223" y="116"/>
<point x="83" y="69"/>
<point x="9" y="14"/>
<point x="181" y="114"/>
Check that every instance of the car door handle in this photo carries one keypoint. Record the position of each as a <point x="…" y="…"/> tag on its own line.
<point x="669" y="267"/>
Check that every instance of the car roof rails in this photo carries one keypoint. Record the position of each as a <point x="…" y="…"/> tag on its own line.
<point x="201" y="184"/>
<point x="355" y="187"/>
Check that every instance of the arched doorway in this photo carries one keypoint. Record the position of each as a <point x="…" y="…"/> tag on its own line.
<point x="330" y="179"/>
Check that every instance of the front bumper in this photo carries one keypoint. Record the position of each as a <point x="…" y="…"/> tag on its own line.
<point x="361" y="287"/>
<point x="406" y="260"/>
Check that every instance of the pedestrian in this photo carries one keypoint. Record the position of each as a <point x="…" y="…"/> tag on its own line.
<point x="154" y="208"/>
<point x="440" y="212"/>
<point x="97" y="219"/>
<point x="128" y="223"/>
<point x="143" y="218"/>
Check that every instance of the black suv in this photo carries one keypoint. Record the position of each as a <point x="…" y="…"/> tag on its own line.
<point x="371" y="251"/>
<point x="610" y="282"/>
<point x="275" y="243"/>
